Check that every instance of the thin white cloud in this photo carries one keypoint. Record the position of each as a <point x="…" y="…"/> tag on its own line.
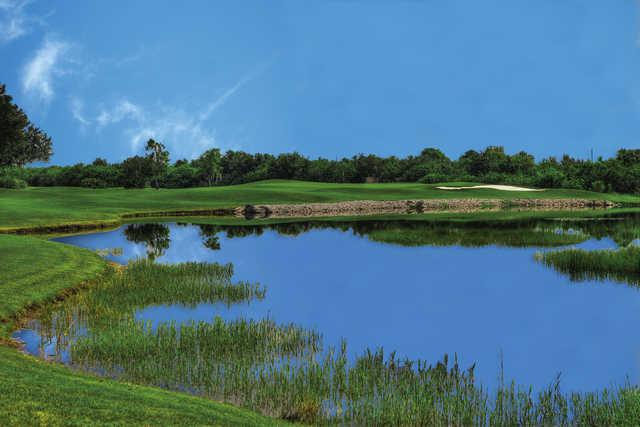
<point x="185" y="133"/>
<point x="123" y="110"/>
<point x="220" y="101"/>
<point x="178" y="130"/>
<point x="13" y="21"/>
<point x="76" y="105"/>
<point x="39" y="71"/>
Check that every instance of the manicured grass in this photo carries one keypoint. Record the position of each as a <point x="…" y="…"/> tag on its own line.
<point x="33" y="392"/>
<point x="56" y="206"/>
<point x="34" y="270"/>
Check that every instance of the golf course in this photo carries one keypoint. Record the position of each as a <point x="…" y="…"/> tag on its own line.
<point x="35" y="272"/>
<point x="319" y="213"/>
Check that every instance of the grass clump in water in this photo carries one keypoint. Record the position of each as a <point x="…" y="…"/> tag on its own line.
<point x="621" y="265"/>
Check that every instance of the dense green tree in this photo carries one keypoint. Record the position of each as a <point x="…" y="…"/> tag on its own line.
<point x="629" y="157"/>
<point x="471" y="163"/>
<point x="20" y="141"/>
<point x="210" y="166"/>
<point x="136" y="172"/>
<point x="159" y="160"/>
<point x="182" y="176"/>
<point x="522" y="163"/>
<point x="236" y="165"/>
<point x="289" y="166"/>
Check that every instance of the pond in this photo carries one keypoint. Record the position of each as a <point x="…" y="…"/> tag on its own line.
<point x="420" y="288"/>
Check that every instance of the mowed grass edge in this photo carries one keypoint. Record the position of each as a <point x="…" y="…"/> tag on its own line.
<point x="35" y="392"/>
<point x="41" y="207"/>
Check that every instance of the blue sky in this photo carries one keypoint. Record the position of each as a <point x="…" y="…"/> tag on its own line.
<point x="326" y="79"/>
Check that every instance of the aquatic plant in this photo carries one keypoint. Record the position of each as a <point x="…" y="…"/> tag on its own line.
<point x="142" y="283"/>
<point x="285" y="375"/>
<point x="622" y="265"/>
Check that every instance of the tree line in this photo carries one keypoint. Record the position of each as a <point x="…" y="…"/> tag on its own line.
<point x="22" y="143"/>
<point x="491" y="165"/>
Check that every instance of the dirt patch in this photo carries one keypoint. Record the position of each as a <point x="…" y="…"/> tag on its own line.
<point x="377" y="207"/>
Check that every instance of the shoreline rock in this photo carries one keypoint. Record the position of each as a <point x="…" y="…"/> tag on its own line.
<point x="378" y="207"/>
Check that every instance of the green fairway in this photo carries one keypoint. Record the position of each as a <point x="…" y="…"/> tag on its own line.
<point x="35" y="270"/>
<point x="33" y="392"/>
<point x="59" y="206"/>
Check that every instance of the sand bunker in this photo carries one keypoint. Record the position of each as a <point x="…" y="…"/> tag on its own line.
<point x="492" y="187"/>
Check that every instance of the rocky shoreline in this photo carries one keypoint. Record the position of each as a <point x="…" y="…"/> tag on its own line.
<point x="380" y="207"/>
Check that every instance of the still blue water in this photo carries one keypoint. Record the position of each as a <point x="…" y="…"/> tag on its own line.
<point x="482" y="303"/>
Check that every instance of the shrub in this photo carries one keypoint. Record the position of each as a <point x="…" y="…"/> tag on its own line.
<point x="136" y="172"/>
<point x="599" y="187"/>
<point x="434" y="178"/>
<point x="13" y="183"/>
<point x="93" y="183"/>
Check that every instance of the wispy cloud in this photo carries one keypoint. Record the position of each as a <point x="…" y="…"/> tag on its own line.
<point x="39" y="71"/>
<point x="13" y="21"/>
<point x="228" y="93"/>
<point x="185" y="133"/>
<point x="122" y="110"/>
<point x="180" y="130"/>
<point x="76" y="105"/>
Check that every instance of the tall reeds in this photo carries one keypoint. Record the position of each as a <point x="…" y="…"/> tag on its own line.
<point x="621" y="265"/>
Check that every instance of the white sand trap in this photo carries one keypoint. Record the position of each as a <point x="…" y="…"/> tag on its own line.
<point x="492" y="187"/>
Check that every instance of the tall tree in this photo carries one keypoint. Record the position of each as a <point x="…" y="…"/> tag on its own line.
<point x="136" y="171"/>
<point x="210" y="166"/>
<point x="20" y="141"/>
<point x="159" y="157"/>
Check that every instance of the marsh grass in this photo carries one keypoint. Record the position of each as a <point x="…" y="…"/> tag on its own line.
<point x="121" y="292"/>
<point x="283" y="370"/>
<point x="621" y="265"/>
<point x="326" y="388"/>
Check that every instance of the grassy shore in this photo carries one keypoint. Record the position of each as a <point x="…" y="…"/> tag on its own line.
<point x="34" y="392"/>
<point x="59" y="206"/>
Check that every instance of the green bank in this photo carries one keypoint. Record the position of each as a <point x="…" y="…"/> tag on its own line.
<point x="34" y="392"/>
<point x="59" y="206"/>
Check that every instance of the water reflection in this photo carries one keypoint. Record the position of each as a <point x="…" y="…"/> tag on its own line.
<point x="154" y="236"/>
<point x="525" y="233"/>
